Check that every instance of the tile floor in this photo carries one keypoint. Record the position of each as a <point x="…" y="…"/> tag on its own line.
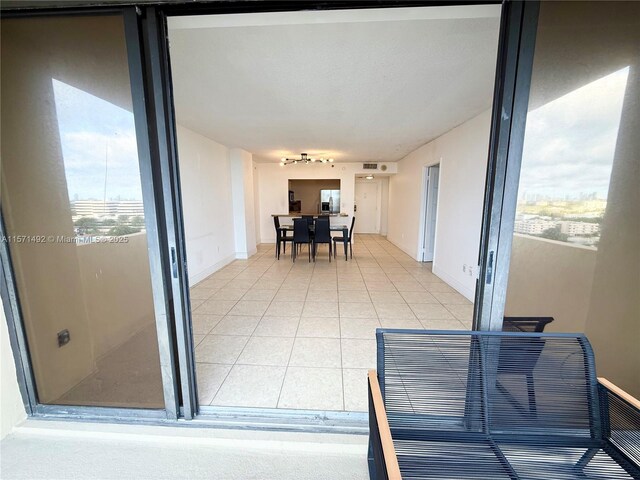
<point x="273" y="334"/>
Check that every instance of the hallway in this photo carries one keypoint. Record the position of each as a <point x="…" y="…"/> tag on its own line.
<point x="274" y="334"/>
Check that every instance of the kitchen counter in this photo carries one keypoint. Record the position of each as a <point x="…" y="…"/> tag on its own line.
<point x="314" y="214"/>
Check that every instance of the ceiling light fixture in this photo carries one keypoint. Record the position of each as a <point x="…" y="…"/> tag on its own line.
<point x="304" y="158"/>
<point x="369" y="177"/>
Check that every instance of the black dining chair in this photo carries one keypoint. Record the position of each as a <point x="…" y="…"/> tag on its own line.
<point x="322" y="235"/>
<point x="281" y="237"/>
<point x="309" y="220"/>
<point x="300" y="237"/>
<point x="341" y="239"/>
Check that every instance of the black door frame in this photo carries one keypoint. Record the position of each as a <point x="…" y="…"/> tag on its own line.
<point x="153" y="104"/>
<point x="508" y="121"/>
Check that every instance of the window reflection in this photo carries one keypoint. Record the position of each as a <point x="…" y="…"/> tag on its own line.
<point x="567" y="160"/>
<point x="100" y="163"/>
<point x="69" y="156"/>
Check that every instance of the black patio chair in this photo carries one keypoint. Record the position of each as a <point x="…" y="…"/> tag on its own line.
<point x="525" y="324"/>
<point x="434" y="411"/>
<point x="322" y="235"/>
<point x="521" y="348"/>
<point x="341" y="239"/>
<point x="300" y="237"/>
<point x="281" y="237"/>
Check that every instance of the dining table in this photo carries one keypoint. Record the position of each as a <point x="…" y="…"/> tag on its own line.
<point x="333" y="228"/>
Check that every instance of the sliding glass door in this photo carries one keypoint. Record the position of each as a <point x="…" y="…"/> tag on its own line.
<point x="570" y="223"/>
<point x="80" y="240"/>
<point x="92" y="243"/>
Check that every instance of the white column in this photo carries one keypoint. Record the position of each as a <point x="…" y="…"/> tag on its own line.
<point x="244" y="228"/>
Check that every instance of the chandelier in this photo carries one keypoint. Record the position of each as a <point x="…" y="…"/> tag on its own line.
<point x="304" y="158"/>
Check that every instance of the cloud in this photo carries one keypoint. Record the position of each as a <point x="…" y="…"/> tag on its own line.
<point x="98" y="146"/>
<point x="570" y="142"/>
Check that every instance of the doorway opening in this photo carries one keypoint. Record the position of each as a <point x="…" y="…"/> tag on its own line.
<point x="253" y="91"/>
<point x="429" y="222"/>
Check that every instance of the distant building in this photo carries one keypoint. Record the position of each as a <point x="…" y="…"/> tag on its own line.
<point x="533" y="226"/>
<point x="110" y="208"/>
<point x="578" y="228"/>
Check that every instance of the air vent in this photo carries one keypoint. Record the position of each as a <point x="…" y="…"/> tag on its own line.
<point x="369" y="166"/>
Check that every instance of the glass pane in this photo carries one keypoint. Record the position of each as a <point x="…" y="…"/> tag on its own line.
<point x="74" y="215"/>
<point x="577" y="230"/>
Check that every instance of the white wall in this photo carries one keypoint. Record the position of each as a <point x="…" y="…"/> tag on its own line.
<point x="256" y="201"/>
<point x="218" y="203"/>
<point x="243" y="202"/>
<point x="384" y="203"/>
<point x="273" y="189"/>
<point x="11" y="407"/>
<point x="462" y="155"/>
<point x="205" y="176"/>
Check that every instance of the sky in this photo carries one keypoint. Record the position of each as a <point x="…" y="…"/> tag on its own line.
<point x="570" y="142"/>
<point x="96" y="134"/>
<point x="568" y="148"/>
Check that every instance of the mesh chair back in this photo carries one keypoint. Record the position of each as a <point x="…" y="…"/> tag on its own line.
<point x="623" y="423"/>
<point x="300" y="230"/>
<point x="542" y="385"/>
<point x="322" y="232"/>
<point x="477" y="382"/>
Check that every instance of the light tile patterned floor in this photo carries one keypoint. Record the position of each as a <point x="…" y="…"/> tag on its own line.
<point x="271" y="333"/>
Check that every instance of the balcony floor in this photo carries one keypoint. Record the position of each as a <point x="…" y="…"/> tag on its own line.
<point x="65" y="450"/>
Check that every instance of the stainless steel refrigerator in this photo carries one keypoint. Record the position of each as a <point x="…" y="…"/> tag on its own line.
<point x="329" y="201"/>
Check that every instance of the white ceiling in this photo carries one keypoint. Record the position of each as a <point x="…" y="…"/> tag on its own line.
<point x="356" y="85"/>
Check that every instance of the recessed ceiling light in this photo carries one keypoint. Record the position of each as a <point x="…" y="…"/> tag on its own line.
<point x="369" y="177"/>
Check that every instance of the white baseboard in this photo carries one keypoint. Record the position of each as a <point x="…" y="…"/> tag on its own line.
<point x="412" y="254"/>
<point x="452" y="282"/>
<point x="245" y="255"/>
<point x="195" y="278"/>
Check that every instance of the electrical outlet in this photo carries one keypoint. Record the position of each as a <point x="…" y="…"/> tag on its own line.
<point x="464" y="268"/>
<point x="470" y="270"/>
<point x="64" y="337"/>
